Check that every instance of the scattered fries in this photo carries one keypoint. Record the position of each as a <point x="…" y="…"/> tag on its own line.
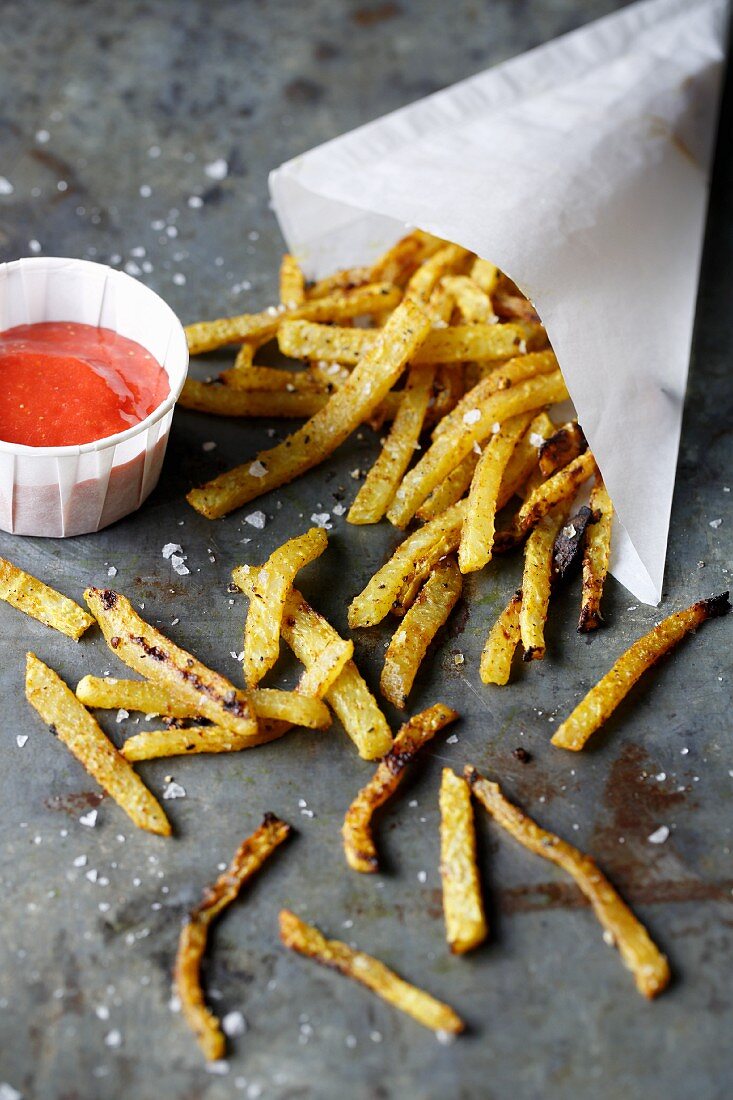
<point x="307" y="940"/>
<point x="596" y="558"/>
<point x="359" y="848"/>
<point x="418" y="628"/>
<point x="601" y="701"/>
<point x="537" y="582"/>
<point x="649" y="967"/>
<point x="147" y="651"/>
<point x="71" y="722"/>
<point x="463" y="907"/>
<point x="496" y="658"/>
<point x="36" y="599"/>
<point x="192" y="943"/>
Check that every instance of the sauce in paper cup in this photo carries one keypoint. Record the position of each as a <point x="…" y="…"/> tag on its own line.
<point x="73" y="490"/>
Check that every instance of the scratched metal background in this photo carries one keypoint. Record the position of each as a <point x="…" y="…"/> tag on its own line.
<point x="83" y="964"/>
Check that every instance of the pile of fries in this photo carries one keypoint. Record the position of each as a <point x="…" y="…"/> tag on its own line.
<point x="453" y="349"/>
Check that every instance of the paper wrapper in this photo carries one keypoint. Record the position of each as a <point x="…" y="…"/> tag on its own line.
<point x="60" y="491"/>
<point x="579" y="168"/>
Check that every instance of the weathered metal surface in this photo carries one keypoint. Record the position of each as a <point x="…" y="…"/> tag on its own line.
<point x="136" y="100"/>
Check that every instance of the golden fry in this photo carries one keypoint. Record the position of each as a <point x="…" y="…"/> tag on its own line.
<point x="371" y="605"/>
<point x="208" y="335"/>
<point x="273" y="380"/>
<point x="422" y="622"/>
<point x="346" y="279"/>
<point x="537" y="582"/>
<point x="399" y="262"/>
<point x="292" y="282"/>
<point x="477" y="536"/>
<point x="451" y="447"/>
<point x="485" y="275"/>
<point x="601" y="701"/>
<point x="359" y="848"/>
<point x="375" y="495"/>
<point x="496" y="658"/>
<point x="463" y="907"/>
<point x="174" y="741"/>
<point x="473" y="303"/>
<point x="561" y="448"/>
<point x="147" y="651"/>
<point x="648" y="965"/>
<point x="562" y="486"/>
<point x="192" y="943"/>
<point x="596" y="558"/>
<point x="307" y="940"/>
<point x="225" y="400"/>
<point x="352" y="403"/>
<point x="71" y="722"/>
<point x="524" y="458"/>
<point x="450" y="490"/>
<point x="448" y="258"/>
<point x="270" y="586"/>
<point x="320" y="676"/>
<point x="515" y="370"/>
<point x="28" y="594"/>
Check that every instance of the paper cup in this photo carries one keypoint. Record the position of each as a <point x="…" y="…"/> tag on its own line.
<point x="61" y="491"/>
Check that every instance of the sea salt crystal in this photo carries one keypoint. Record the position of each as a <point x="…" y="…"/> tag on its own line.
<point x="256" y="519"/>
<point x="472" y="416"/>
<point x="477" y="447"/>
<point x="42" y="136"/>
<point x="91" y="875"/>
<point x="452" y="740"/>
<point x="536" y="440"/>
<point x="171" y="548"/>
<point x="21" y="739"/>
<point x="132" y="268"/>
<point x="217" y="169"/>
<point x="195" y="202"/>
<point x="422" y="876"/>
<point x="113" y="1039"/>
<point x="715" y="523"/>
<point x="258" y="469"/>
<point x="659" y="835"/>
<point x="495" y="428"/>
<point x="122" y="714"/>
<point x="179" y="278"/>
<point x="89" y="819"/>
<point x="569" y="532"/>
<point x="220" y="1068"/>
<point x="234" y="1023"/>
<point x="34" y="245"/>
<point x="339" y="509"/>
<point x="80" y="861"/>
<point x="6" y="187"/>
<point x="174" y="790"/>
<point x="112" y="571"/>
<point x="321" y="519"/>
<point x="7" y="1092"/>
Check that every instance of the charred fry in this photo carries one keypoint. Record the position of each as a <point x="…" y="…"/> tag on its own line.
<point x="596" y="558"/>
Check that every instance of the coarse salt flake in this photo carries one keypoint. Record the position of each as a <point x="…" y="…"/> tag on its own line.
<point x="6" y="187"/>
<point x="472" y="416"/>
<point x="233" y="1023"/>
<point x="258" y="469"/>
<point x="113" y="1038"/>
<point x="112" y="571"/>
<point x="171" y="548"/>
<point x="256" y="519"/>
<point x="659" y="835"/>
<point x="536" y="440"/>
<point x="89" y="819"/>
<point x="174" y="790"/>
<point x="217" y="169"/>
<point x="21" y="739"/>
<point x="208" y="446"/>
<point x="321" y="519"/>
<point x="715" y="523"/>
<point x="122" y="714"/>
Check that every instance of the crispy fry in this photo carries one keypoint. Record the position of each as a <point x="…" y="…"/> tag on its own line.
<point x="332" y="375"/>
<point x="562" y="486"/>
<point x="485" y="275"/>
<point x="352" y="403"/>
<point x="477" y="536"/>
<point x="473" y="303"/>
<point x="192" y="943"/>
<point x="272" y="380"/>
<point x="345" y="279"/>
<point x="448" y="390"/>
<point x="28" y="594"/>
<point x="225" y="400"/>
<point x="371" y="605"/>
<point x="456" y="344"/>
<point x="448" y="258"/>
<point x="320" y="676"/>
<point x="398" y="263"/>
<point x="375" y="495"/>
<point x="147" y="651"/>
<point x="270" y="586"/>
<point x="602" y="699"/>
<point x="524" y="458"/>
<point x="648" y="965"/>
<point x="450" y="490"/>
<point x="359" y="848"/>
<point x="71" y="722"/>
<point x="451" y="447"/>
<point x="307" y="940"/>
<point x="496" y="658"/>
<point x="308" y="635"/>
<point x="174" y="741"/>
<point x="463" y="907"/>
<point x="259" y="327"/>
<point x="418" y="628"/>
<point x="292" y="282"/>
<point x="596" y="558"/>
<point x="562" y="447"/>
<point x="537" y="582"/>
<point x="512" y="307"/>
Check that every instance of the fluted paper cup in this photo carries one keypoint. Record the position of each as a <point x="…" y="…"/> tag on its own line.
<point x="62" y="491"/>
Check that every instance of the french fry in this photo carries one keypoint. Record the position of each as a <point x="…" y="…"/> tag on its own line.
<point x="456" y="344"/>
<point x="332" y="375"/>
<point x="380" y="485"/>
<point x="448" y="258"/>
<point x="34" y="598"/>
<point x="376" y="600"/>
<point x="363" y="968"/>
<point x="345" y="279"/>
<point x="259" y="327"/>
<point x="512" y="307"/>
<point x="320" y="676"/>
<point x="473" y="303"/>
<point x="463" y="907"/>
<point x="399" y="262"/>
<point x="71" y="722"/>
<point x="448" y="390"/>
<point x="643" y="958"/>
<point x="450" y="490"/>
<point x="561" y="448"/>
<point x="352" y="403"/>
<point x="270" y="586"/>
<point x="192" y="942"/>
<point x="477" y="536"/>
<point x="568" y="549"/>
<point x="485" y="275"/>
<point x="422" y="622"/>
<point x="147" y="651"/>
<point x="359" y="848"/>
<point x="496" y="658"/>
<point x="447" y="544"/>
<point x="537" y="582"/>
<point x="596" y="558"/>
<point x="225" y="400"/>
<point x="451" y="447"/>
<point x="292" y="282"/>
<point x="523" y="460"/>
<point x="602" y="699"/>
<point x="174" y="741"/>
<point x="308" y="634"/>
<point x="562" y="486"/>
<point x="272" y="380"/>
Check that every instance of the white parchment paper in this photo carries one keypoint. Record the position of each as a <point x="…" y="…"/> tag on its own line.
<point x="581" y="169"/>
